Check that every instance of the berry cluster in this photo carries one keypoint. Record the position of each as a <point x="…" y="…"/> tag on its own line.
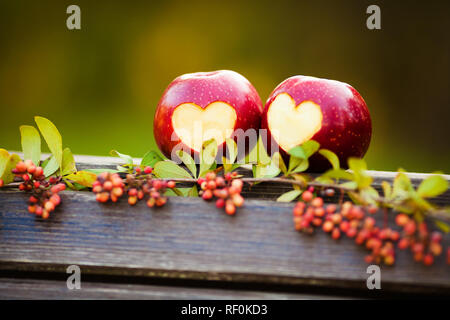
<point x="423" y="244"/>
<point x="226" y="189"/>
<point x="353" y="221"/>
<point x="110" y="186"/>
<point x="45" y="197"/>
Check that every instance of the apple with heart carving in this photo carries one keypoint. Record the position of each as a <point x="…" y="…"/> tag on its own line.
<point x="330" y="112"/>
<point x="197" y="107"/>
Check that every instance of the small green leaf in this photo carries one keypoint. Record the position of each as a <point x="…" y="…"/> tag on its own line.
<point x="266" y="171"/>
<point x="188" y="161"/>
<point x="277" y="159"/>
<point x="31" y="144"/>
<point x="193" y="192"/>
<point x="6" y="166"/>
<point x="68" y="163"/>
<point x="207" y="156"/>
<point x="52" y="137"/>
<point x="350" y="185"/>
<point x="338" y="174"/>
<point x="402" y="185"/>
<point x="443" y="226"/>
<point x="150" y="158"/>
<point x="232" y="150"/>
<point x="169" y="169"/>
<point x="310" y="147"/>
<point x="298" y="152"/>
<point x="331" y="157"/>
<point x="432" y="187"/>
<point x="387" y="189"/>
<point x="357" y="164"/>
<point x="4" y="157"/>
<point x="128" y="159"/>
<point x="50" y="167"/>
<point x="302" y="166"/>
<point x="82" y="177"/>
<point x="289" y="196"/>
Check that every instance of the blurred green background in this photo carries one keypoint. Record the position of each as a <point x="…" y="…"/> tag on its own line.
<point x="100" y="85"/>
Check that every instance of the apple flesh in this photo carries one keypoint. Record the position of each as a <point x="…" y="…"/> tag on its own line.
<point x="199" y="106"/>
<point x="330" y="112"/>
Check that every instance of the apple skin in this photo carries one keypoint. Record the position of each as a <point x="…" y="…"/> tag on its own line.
<point x="346" y="125"/>
<point x="203" y="88"/>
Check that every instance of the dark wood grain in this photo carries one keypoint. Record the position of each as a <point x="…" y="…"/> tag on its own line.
<point x="11" y="288"/>
<point x="191" y="239"/>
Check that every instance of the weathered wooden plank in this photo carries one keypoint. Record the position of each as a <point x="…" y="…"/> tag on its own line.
<point x="191" y="239"/>
<point x="11" y="288"/>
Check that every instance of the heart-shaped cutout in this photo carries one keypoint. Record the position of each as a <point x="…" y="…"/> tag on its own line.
<point x="194" y="125"/>
<point x="292" y="125"/>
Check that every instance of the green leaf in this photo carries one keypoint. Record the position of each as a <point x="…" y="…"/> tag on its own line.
<point x="74" y="186"/>
<point x="338" y="174"/>
<point x="128" y="159"/>
<point x="232" y="150"/>
<point x="68" y="163"/>
<point x="188" y="161"/>
<point x="443" y="226"/>
<point x="310" y="147"/>
<point x="387" y="189"/>
<point x="150" y="158"/>
<point x="7" y="163"/>
<point x="50" y="167"/>
<point x="31" y="144"/>
<point x="289" y="196"/>
<point x="277" y="159"/>
<point x="298" y="152"/>
<point x="266" y="171"/>
<point x="82" y="177"/>
<point x="52" y="137"/>
<point x="302" y="166"/>
<point x="350" y="185"/>
<point x="357" y="164"/>
<point x="331" y="157"/>
<point x="207" y="156"/>
<point x="402" y="186"/>
<point x="4" y="157"/>
<point x="193" y="192"/>
<point x="432" y="187"/>
<point x="169" y="169"/>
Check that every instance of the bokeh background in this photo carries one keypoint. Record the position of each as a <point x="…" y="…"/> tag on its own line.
<point x="100" y="85"/>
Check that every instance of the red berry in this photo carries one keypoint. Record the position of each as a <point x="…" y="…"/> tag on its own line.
<point x="410" y="228"/>
<point x="36" y="184"/>
<point x="211" y="185"/>
<point x="372" y="209"/>
<point x="307" y="196"/>
<point x="327" y="226"/>
<point x="132" y="200"/>
<point x="401" y="219"/>
<point x="38" y="211"/>
<point x="148" y="170"/>
<point x="436" y="236"/>
<point x="38" y="172"/>
<point x="228" y="176"/>
<point x="132" y="192"/>
<point x="435" y="248"/>
<point x="21" y="167"/>
<point x="49" y="206"/>
<point x="157" y="184"/>
<point x="108" y="185"/>
<point x="403" y="243"/>
<point x="2" y="183"/>
<point x="25" y="177"/>
<point x="210" y="176"/>
<point x="317" y="202"/>
<point x="238" y="184"/>
<point x="33" y="199"/>
<point x="32" y="209"/>
<point x="319" y="212"/>
<point x="344" y="226"/>
<point x="331" y="208"/>
<point x="230" y="208"/>
<point x="351" y="233"/>
<point x="220" y="203"/>
<point x="207" y="195"/>
<point x="45" y="214"/>
<point x="317" y="222"/>
<point x="238" y="200"/>
<point x="428" y="259"/>
<point x="335" y="234"/>
<point x="389" y="260"/>
<point x="55" y="199"/>
<point x="171" y="184"/>
<point x="138" y="170"/>
<point x="369" y="223"/>
<point x="117" y="192"/>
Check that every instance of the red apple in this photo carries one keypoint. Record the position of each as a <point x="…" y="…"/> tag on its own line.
<point x="199" y="106"/>
<point x="330" y="112"/>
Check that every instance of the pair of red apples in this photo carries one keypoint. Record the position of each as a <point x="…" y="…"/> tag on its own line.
<point x="200" y="106"/>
